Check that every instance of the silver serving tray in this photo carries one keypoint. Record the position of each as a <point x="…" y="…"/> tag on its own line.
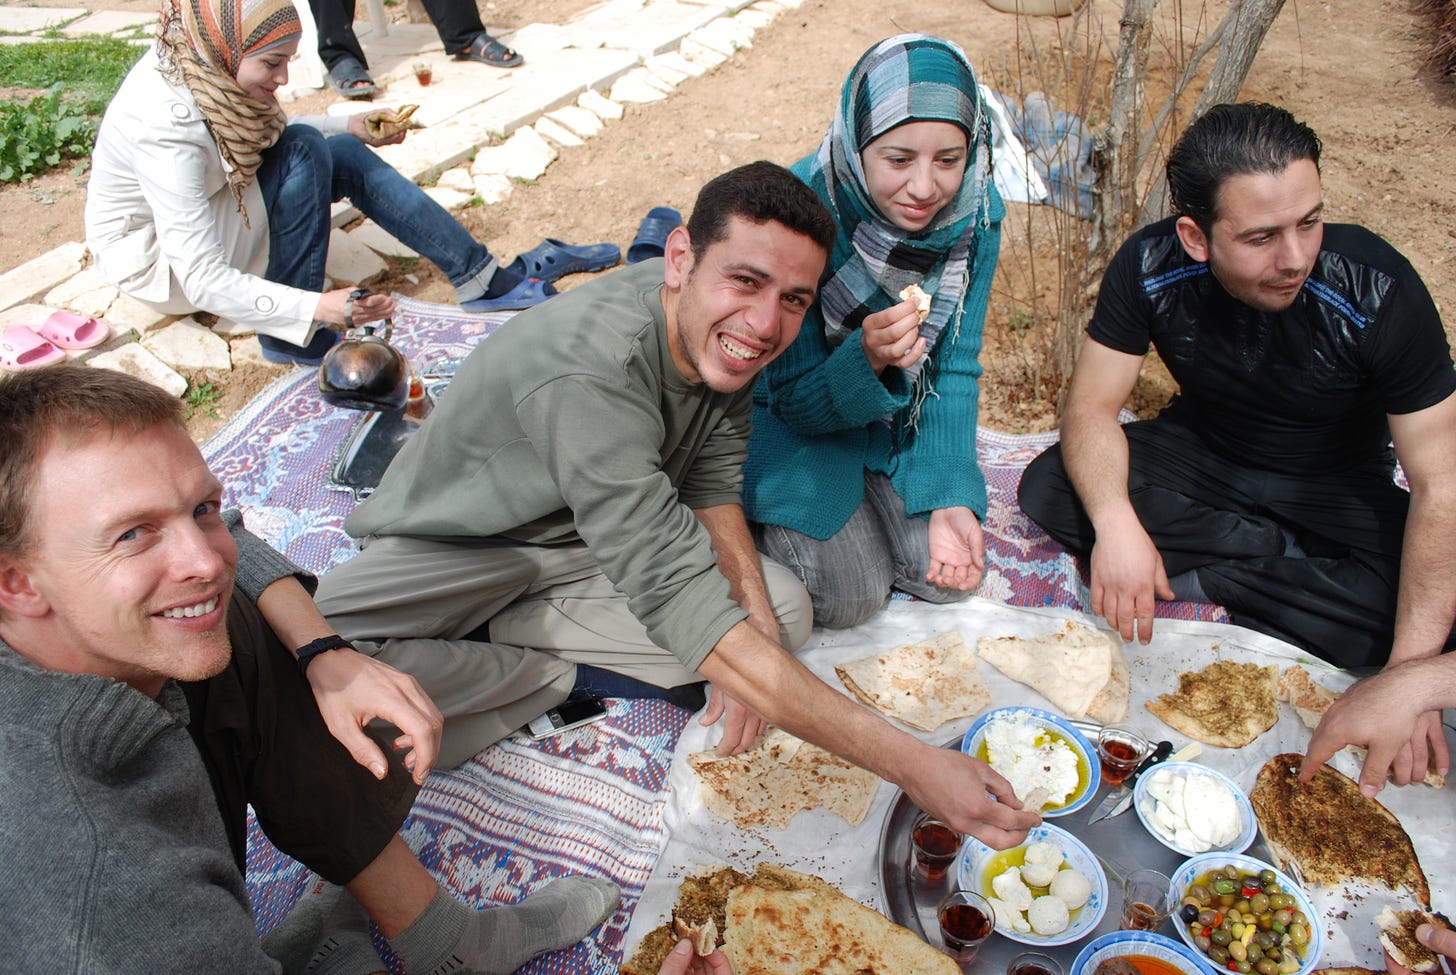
<point x="1120" y="844"/>
<point x="378" y="436"/>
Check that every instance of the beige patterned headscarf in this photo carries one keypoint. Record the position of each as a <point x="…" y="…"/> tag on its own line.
<point x="201" y="43"/>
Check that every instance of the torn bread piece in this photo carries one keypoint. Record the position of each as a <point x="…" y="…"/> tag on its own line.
<point x="704" y="937"/>
<point x="1398" y="935"/>
<point x="922" y="300"/>
<point x="383" y="124"/>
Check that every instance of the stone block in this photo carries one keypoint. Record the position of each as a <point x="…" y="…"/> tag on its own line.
<point x="134" y="360"/>
<point x="525" y="155"/>
<point x="458" y="178"/>
<point x="701" y="54"/>
<point x="130" y="312"/>
<point x="381" y="241"/>
<point x="351" y="262"/>
<point x="449" y="197"/>
<point x="230" y="329"/>
<point x="111" y="22"/>
<point x="26" y="314"/>
<point x="493" y="188"/>
<point x="188" y="347"/>
<point x="15" y="19"/>
<point x="584" y="123"/>
<point x="674" y="62"/>
<point x="555" y="132"/>
<point x="40" y="274"/>
<point x="87" y="292"/>
<point x="247" y="352"/>
<point x="723" y="36"/>
<point x="667" y="72"/>
<point x="600" y="105"/>
<point x="638" y="86"/>
<point x="655" y="29"/>
<point x="754" y="20"/>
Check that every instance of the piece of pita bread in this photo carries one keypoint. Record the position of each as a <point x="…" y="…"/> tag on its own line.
<point x="1226" y="703"/>
<point x="704" y="937"/>
<point x="922" y="684"/>
<point x="385" y="123"/>
<point x="1398" y="935"/>
<point x="921" y="299"/>
<point x="1311" y="700"/>
<point x="1079" y="669"/>
<point x="780" y="776"/>
<point x="1333" y="831"/>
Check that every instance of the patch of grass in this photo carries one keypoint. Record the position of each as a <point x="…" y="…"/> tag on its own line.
<point x="204" y="398"/>
<point x="89" y="69"/>
<point x="36" y="135"/>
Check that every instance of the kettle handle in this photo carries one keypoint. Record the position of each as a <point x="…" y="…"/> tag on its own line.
<point x="368" y="329"/>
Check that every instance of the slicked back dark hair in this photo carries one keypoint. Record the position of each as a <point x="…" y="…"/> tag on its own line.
<point x="759" y="192"/>
<point x="1230" y="140"/>
<point x="64" y="403"/>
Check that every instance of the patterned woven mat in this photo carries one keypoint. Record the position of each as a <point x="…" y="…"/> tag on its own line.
<point x="589" y="801"/>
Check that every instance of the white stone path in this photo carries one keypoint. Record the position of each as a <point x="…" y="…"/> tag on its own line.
<point x="513" y="124"/>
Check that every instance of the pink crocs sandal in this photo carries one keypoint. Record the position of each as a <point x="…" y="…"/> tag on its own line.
<point x="67" y="330"/>
<point x="21" y="348"/>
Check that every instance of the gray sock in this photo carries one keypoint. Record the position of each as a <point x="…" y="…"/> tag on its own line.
<point x="451" y="938"/>
<point x="346" y="948"/>
<point x="1185" y="586"/>
<point x="292" y="943"/>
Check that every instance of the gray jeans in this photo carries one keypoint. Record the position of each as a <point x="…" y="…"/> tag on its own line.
<point x="849" y="575"/>
<point x="412" y="603"/>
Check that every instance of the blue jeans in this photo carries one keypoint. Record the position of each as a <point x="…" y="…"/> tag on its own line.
<point x="849" y="574"/>
<point x="305" y="172"/>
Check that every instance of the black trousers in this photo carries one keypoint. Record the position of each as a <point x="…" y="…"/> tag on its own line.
<point x="1233" y="524"/>
<point x="456" y="21"/>
<point x="264" y="743"/>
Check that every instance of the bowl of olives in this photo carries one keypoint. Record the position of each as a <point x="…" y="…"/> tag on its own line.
<point x="1241" y="915"/>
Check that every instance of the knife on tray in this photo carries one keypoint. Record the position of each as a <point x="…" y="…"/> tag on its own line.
<point x="1119" y="798"/>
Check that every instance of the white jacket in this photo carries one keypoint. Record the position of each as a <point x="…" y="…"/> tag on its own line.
<point x="162" y="222"/>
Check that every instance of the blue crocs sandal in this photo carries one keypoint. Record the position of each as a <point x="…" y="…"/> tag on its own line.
<point x="531" y="291"/>
<point x="552" y="259"/>
<point x="652" y="234"/>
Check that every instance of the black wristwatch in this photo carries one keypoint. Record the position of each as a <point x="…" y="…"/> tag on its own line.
<point x="308" y="651"/>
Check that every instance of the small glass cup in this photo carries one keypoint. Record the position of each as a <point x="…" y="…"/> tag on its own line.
<point x="1119" y="749"/>
<point x="936" y="846"/>
<point x="966" y="920"/>
<point x="424" y="72"/>
<point x="1144" y="900"/>
<point x="1034" y="963"/>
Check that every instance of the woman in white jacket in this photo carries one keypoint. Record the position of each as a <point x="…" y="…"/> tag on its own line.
<point x="203" y="196"/>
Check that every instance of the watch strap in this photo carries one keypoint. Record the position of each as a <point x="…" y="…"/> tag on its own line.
<point x="308" y="651"/>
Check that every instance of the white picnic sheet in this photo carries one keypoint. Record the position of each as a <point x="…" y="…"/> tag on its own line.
<point x="822" y="843"/>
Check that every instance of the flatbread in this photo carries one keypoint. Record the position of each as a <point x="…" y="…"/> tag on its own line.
<point x="704" y="937"/>
<point x="780" y="776"/>
<point x="782" y="922"/>
<point x="1333" y="831"/>
<point x="1226" y="703"/>
<point x="922" y="300"/>
<point x="1398" y="936"/>
<point x="1311" y="700"/>
<point x="385" y="123"/>
<point x="1079" y="669"/>
<point x="922" y="684"/>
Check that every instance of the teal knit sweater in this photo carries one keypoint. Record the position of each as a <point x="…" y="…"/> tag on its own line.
<point x="817" y="412"/>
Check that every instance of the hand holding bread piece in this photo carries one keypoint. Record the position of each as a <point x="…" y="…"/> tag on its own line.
<point x="387" y="122"/>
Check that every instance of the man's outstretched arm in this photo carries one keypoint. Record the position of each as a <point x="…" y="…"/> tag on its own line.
<point x="1127" y="571"/>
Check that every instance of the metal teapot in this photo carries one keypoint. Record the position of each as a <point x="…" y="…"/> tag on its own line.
<point x="363" y="371"/>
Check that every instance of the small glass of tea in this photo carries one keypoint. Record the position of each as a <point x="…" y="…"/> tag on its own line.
<point x="936" y="845"/>
<point x="966" y="920"/>
<point x="1033" y="963"/>
<point x="1144" y="900"/>
<point x="1119" y="749"/>
<point x="424" y="72"/>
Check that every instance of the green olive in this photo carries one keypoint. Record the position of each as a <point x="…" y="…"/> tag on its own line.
<point x="1259" y="903"/>
<point x="1219" y="954"/>
<point x="1199" y="893"/>
<point x="1238" y="951"/>
<point x="1267" y="876"/>
<point x="1299" y="933"/>
<point x="1266" y="967"/>
<point x="1243" y="967"/>
<point x="1221" y="937"/>
<point x="1224" y="885"/>
<point x="1231" y="871"/>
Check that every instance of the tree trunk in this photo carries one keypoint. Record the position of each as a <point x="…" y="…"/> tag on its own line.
<point x="1244" y="27"/>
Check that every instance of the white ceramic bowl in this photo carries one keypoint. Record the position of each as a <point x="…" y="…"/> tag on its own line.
<point x="1120" y="944"/>
<point x="1196" y="867"/>
<point x="973" y="872"/>
<point x="1086" y="752"/>
<point x="1249" y="826"/>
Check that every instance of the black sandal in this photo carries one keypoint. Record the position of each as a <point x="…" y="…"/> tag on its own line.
<point x="488" y="50"/>
<point x="351" y="79"/>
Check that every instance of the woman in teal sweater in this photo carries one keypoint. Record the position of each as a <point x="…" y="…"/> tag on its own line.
<point x="862" y="471"/>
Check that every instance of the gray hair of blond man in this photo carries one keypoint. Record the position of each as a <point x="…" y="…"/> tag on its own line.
<point x="65" y="404"/>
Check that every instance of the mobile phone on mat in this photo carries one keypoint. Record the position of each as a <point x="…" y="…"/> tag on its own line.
<point x="568" y="714"/>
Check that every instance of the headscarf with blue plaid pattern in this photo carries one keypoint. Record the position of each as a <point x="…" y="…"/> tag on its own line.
<point x="906" y="78"/>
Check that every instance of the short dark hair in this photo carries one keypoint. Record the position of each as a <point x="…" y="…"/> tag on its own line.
<point x="1230" y="140"/>
<point x="63" y="402"/>
<point x="760" y="191"/>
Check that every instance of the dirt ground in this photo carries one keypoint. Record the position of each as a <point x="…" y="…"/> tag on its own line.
<point x="1351" y="70"/>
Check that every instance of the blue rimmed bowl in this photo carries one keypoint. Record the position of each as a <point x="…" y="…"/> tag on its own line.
<point x="1123" y="944"/>
<point x="1202" y="864"/>
<point x="1249" y="827"/>
<point x="978" y="864"/>
<point x="1089" y="772"/>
